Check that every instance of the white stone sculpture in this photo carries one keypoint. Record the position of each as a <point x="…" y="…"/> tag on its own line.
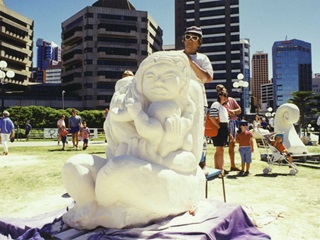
<point x="286" y="115"/>
<point x="155" y="132"/>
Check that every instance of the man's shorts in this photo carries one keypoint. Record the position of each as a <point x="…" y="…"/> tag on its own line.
<point x="74" y="129"/>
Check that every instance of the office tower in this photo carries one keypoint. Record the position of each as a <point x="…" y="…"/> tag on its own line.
<point x="316" y="83"/>
<point x="260" y="75"/>
<point x="48" y="55"/>
<point x="219" y="21"/>
<point x="46" y="52"/>
<point x="266" y="91"/>
<point x="16" y="44"/>
<point x="292" y="69"/>
<point x="245" y="70"/>
<point x="99" y="43"/>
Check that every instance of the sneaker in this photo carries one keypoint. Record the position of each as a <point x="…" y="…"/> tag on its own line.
<point x="241" y="172"/>
<point x="62" y="149"/>
<point x="246" y="173"/>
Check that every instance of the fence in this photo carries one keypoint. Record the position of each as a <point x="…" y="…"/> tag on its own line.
<point x="52" y="133"/>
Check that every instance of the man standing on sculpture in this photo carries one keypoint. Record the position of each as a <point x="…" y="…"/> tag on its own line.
<point x="199" y="63"/>
<point x="233" y="110"/>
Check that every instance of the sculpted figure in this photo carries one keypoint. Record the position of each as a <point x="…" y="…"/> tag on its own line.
<point x="286" y="115"/>
<point x="154" y="130"/>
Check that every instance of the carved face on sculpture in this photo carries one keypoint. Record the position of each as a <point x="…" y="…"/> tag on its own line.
<point x="161" y="82"/>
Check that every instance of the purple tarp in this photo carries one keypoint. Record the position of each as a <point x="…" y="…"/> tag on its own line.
<point x="212" y="220"/>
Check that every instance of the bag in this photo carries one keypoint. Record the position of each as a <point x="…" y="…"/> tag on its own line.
<point x="210" y="129"/>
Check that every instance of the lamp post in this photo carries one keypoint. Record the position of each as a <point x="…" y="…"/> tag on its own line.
<point x="310" y="129"/>
<point x="270" y="116"/>
<point x="240" y="85"/>
<point x="3" y="75"/>
<point x="63" y="92"/>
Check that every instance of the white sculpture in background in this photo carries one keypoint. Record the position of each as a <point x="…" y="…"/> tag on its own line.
<point x="286" y="115"/>
<point x="155" y="135"/>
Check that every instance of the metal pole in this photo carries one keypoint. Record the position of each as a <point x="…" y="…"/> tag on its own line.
<point x="63" y="92"/>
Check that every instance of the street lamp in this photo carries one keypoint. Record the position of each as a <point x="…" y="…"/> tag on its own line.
<point x="63" y="92"/>
<point x="240" y="85"/>
<point x="270" y="114"/>
<point x="270" y="118"/>
<point x="3" y="75"/>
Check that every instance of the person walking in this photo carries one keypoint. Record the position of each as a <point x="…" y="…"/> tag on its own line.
<point x="27" y="130"/>
<point x="7" y="131"/>
<point x="244" y="138"/>
<point x="60" y="123"/>
<point x="63" y="136"/>
<point x="74" y="124"/>
<point x="85" y="135"/>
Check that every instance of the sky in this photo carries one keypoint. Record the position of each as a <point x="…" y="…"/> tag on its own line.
<point x="262" y="21"/>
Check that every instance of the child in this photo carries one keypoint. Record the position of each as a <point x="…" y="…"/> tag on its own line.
<point x="63" y="135"/>
<point x="277" y="143"/>
<point x="85" y="134"/>
<point x="244" y="138"/>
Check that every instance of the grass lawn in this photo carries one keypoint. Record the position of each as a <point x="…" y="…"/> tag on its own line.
<point x="283" y="206"/>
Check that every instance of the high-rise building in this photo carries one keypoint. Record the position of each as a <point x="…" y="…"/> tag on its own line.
<point x="16" y="34"/>
<point x="260" y="75"/>
<point x="292" y="69"/>
<point x="48" y="55"/>
<point x="46" y="52"/>
<point x="245" y="70"/>
<point x="99" y="43"/>
<point x="219" y="21"/>
<point x="266" y="96"/>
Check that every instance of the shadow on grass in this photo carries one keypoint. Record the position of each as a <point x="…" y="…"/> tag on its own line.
<point x="75" y="151"/>
<point x="236" y="176"/>
<point x="272" y="174"/>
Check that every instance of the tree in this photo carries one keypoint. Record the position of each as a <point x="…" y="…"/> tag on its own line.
<point x="307" y="102"/>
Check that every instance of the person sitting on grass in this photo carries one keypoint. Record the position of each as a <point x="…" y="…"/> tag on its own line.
<point x="244" y="138"/>
<point x="278" y="144"/>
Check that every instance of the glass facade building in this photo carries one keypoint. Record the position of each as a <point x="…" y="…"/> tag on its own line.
<point x="292" y="69"/>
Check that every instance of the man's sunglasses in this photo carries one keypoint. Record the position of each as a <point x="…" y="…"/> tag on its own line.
<point x="191" y="37"/>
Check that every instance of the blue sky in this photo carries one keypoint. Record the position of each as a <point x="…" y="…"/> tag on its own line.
<point x="262" y="21"/>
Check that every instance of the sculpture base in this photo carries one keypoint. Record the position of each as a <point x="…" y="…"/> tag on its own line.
<point x="212" y="220"/>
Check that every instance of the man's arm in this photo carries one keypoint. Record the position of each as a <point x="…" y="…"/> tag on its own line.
<point x="202" y="74"/>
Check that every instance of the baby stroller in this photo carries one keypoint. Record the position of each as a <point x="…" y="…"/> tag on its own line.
<point x="276" y="155"/>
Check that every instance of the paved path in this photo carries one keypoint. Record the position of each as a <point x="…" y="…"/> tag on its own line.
<point x="32" y="143"/>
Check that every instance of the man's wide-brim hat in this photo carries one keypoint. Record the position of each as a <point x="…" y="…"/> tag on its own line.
<point x="195" y="30"/>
